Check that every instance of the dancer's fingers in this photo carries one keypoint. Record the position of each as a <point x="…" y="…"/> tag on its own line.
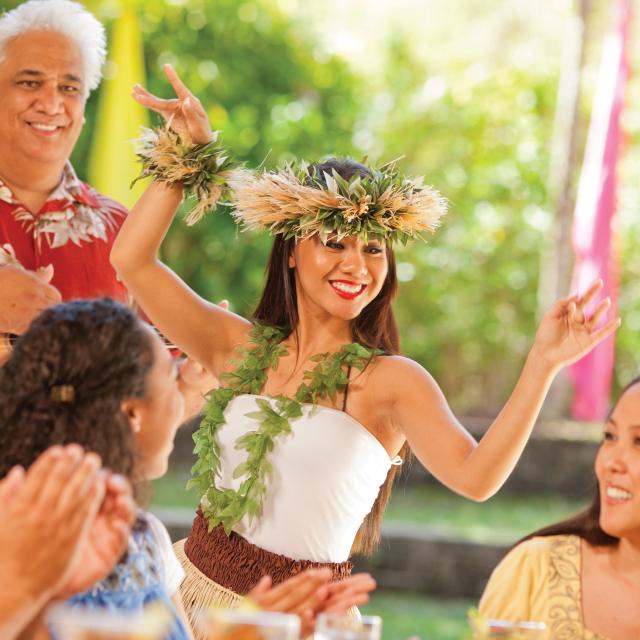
<point x="590" y="293"/>
<point x="598" y="312"/>
<point x="192" y="104"/>
<point x="159" y="105"/>
<point x="576" y="314"/>
<point x="604" y="332"/>
<point x="138" y="88"/>
<point x="559" y="307"/>
<point x="178" y="86"/>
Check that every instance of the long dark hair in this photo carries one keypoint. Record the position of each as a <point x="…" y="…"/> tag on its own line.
<point x="375" y="327"/>
<point x="586" y="523"/>
<point x="101" y="350"/>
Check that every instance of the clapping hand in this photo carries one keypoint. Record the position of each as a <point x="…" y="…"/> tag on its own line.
<point x="65" y="524"/>
<point x="310" y="593"/>
<point x="106" y="538"/>
<point x="184" y="113"/>
<point x="568" y="331"/>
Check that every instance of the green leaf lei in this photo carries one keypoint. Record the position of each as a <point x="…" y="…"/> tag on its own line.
<point x="226" y="506"/>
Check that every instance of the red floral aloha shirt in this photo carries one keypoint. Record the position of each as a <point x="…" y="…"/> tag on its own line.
<point x="73" y="231"/>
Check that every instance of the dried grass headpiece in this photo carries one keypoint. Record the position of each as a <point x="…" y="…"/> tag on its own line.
<point x="296" y="202"/>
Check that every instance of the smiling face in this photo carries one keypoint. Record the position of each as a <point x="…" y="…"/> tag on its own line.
<point x="618" y="468"/>
<point x="156" y="417"/>
<point x="43" y="99"/>
<point x="339" y="277"/>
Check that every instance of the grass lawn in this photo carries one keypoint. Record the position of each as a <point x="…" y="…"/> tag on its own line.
<point x="503" y="519"/>
<point x="411" y="615"/>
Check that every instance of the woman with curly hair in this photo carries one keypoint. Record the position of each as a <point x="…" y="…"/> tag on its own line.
<point x="91" y="373"/>
<point x="298" y="447"/>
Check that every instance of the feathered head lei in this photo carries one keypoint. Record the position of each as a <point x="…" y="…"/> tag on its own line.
<point x="298" y="201"/>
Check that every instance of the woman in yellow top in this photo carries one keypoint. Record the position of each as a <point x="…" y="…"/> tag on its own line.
<point x="581" y="577"/>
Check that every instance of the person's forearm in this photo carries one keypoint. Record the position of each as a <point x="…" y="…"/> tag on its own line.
<point x="37" y="629"/>
<point x="489" y="463"/>
<point x="143" y="231"/>
<point x="19" y="612"/>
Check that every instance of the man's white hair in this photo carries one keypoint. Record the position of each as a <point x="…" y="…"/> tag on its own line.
<point x="67" y="18"/>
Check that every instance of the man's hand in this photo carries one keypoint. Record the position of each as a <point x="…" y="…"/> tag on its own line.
<point x="23" y="295"/>
<point x="194" y="382"/>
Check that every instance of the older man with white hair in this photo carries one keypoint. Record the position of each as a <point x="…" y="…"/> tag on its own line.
<point x="55" y="231"/>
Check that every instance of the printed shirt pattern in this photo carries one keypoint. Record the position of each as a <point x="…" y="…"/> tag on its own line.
<point x="73" y="231"/>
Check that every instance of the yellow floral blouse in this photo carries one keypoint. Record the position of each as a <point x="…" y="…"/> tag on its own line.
<point x="539" y="580"/>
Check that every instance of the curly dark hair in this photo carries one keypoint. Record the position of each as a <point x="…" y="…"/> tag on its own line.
<point x="102" y="350"/>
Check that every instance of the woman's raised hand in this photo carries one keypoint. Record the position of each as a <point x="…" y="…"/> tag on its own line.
<point x="567" y="331"/>
<point x="184" y="113"/>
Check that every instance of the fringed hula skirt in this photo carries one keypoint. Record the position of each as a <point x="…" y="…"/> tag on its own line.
<point x="221" y="569"/>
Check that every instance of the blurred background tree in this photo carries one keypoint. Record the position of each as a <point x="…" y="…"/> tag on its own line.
<point x="465" y="92"/>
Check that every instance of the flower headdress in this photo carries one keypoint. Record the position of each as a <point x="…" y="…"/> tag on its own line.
<point x="298" y="202"/>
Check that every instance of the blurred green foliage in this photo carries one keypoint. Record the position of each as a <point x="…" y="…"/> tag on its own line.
<point x="463" y="105"/>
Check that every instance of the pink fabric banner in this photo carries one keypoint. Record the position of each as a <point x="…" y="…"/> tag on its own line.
<point x="595" y="208"/>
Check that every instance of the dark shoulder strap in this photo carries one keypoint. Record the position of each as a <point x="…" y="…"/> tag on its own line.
<point x="346" y="389"/>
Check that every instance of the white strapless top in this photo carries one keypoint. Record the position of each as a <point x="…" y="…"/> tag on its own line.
<point x="326" y="476"/>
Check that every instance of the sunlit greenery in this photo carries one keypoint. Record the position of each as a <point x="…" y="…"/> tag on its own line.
<point x="503" y="519"/>
<point x="464" y="91"/>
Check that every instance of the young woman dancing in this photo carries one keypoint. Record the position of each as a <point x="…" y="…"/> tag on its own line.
<point x="296" y="452"/>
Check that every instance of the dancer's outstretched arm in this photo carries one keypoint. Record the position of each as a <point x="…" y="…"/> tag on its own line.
<point x="419" y="410"/>
<point x="201" y="329"/>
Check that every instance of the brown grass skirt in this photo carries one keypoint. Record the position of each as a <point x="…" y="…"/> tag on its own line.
<point x="220" y="569"/>
<point x="238" y="565"/>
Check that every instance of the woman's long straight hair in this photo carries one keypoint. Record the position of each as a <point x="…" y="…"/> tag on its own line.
<point x="375" y="328"/>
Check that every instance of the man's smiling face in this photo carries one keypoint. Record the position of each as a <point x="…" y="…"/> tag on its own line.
<point x="42" y="84"/>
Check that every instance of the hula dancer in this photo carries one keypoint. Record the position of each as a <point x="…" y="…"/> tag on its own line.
<point x="298" y="448"/>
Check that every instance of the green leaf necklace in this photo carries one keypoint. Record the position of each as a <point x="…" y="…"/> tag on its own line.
<point x="227" y="506"/>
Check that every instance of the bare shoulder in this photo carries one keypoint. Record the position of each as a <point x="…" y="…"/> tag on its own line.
<point x="393" y="376"/>
<point x="391" y="369"/>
